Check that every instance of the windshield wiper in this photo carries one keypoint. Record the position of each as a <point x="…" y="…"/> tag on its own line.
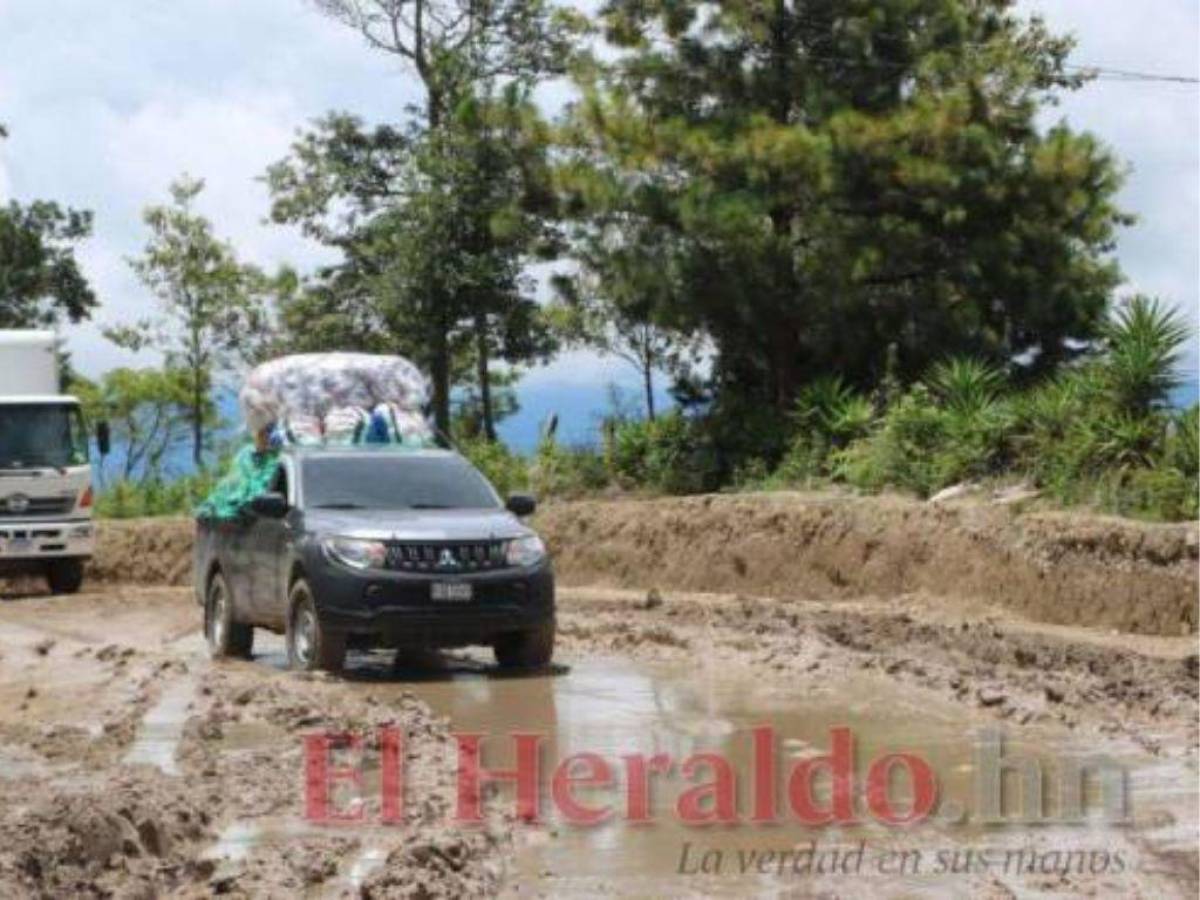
<point x="339" y="506"/>
<point x="431" y="506"/>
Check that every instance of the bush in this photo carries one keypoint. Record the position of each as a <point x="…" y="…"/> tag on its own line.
<point x="667" y="454"/>
<point x="507" y="471"/>
<point x="828" y="415"/>
<point x="128" y="499"/>
<point x="567" y="472"/>
<point x="1159" y="493"/>
<point x="901" y="452"/>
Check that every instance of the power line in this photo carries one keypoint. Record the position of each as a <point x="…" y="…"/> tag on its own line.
<point x="1129" y="75"/>
<point x="1102" y="73"/>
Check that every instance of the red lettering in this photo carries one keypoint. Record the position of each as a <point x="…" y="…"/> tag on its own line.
<point x="472" y="777"/>
<point x="563" y="786"/>
<point x="764" y="774"/>
<point x="711" y="802"/>
<point x="320" y="776"/>
<point x="637" y="783"/>
<point x="839" y="763"/>
<point x="924" y="788"/>
<point x="391" y="753"/>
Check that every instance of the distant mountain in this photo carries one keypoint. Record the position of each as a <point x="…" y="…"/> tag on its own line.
<point x="580" y="409"/>
<point x="1186" y="394"/>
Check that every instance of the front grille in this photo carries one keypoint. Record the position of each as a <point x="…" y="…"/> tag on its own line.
<point x="447" y="557"/>
<point x="36" y="506"/>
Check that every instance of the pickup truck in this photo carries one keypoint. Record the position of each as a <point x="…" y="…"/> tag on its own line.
<point x="361" y="547"/>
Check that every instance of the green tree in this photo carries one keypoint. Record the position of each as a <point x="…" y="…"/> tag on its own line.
<point x="149" y="413"/>
<point x="616" y="300"/>
<point x="438" y="193"/>
<point x="212" y="304"/>
<point x="453" y="46"/>
<point x="434" y="233"/>
<point x="839" y="175"/>
<point x="40" y="278"/>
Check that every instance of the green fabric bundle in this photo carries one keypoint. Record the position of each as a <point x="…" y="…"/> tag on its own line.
<point x="252" y="474"/>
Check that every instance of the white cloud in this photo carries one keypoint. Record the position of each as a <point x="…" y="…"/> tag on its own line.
<point x="109" y="102"/>
<point x="1152" y="126"/>
<point x="582" y="368"/>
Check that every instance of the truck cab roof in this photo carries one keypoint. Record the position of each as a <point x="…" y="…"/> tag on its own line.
<point x="38" y="399"/>
<point x="358" y="451"/>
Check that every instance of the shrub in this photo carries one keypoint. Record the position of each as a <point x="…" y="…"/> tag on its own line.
<point x="128" y="499"/>
<point x="667" y="454"/>
<point x="559" y="471"/>
<point x="901" y="451"/>
<point x="965" y="385"/>
<point x="507" y="471"/>
<point x="828" y="415"/>
<point x="1183" y="442"/>
<point x="1162" y="492"/>
<point x="955" y="429"/>
<point x="1145" y="339"/>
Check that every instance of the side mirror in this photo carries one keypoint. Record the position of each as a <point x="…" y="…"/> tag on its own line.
<point x="521" y="505"/>
<point x="269" y="506"/>
<point x="103" y="438"/>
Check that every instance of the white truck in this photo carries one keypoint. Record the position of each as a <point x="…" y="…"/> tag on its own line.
<point x="46" y="494"/>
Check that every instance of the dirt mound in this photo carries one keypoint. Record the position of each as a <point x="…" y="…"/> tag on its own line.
<point x="1063" y="568"/>
<point x="126" y="837"/>
<point x="144" y="551"/>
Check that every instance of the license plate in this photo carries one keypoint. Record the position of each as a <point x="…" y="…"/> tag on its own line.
<point x="451" y="591"/>
<point x="19" y="545"/>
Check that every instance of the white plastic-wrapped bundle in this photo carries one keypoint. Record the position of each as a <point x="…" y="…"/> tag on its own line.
<point x="302" y="430"/>
<point x="317" y="384"/>
<point x="402" y="426"/>
<point x="346" y="425"/>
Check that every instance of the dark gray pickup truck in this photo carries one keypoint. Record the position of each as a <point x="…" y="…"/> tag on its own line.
<point x="377" y="547"/>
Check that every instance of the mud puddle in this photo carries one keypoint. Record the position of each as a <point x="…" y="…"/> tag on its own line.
<point x="161" y="730"/>
<point x="615" y="707"/>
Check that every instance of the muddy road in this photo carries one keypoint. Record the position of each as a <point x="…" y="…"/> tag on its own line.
<point x="134" y="766"/>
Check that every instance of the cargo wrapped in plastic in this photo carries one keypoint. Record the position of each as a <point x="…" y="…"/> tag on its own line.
<point x="320" y="399"/>
<point x="320" y="384"/>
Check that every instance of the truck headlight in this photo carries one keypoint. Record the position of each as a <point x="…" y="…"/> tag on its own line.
<point x="356" y="552"/>
<point x="525" y="551"/>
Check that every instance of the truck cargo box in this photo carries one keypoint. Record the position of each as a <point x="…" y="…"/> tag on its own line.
<point x="28" y="363"/>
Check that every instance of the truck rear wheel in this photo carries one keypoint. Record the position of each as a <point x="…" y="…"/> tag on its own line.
<point x="65" y="576"/>
<point x="531" y="649"/>
<point x="310" y="645"/>
<point x="226" y="638"/>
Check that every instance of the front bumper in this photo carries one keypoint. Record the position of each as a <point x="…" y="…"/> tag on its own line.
<point x="396" y="609"/>
<point x="30" y="541"/>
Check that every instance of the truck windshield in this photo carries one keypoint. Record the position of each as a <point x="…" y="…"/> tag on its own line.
<point x="395" y="482"/>
<point x="38" y="435"/>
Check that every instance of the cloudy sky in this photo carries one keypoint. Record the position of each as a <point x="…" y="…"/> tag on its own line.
<point x="107" y="102"/>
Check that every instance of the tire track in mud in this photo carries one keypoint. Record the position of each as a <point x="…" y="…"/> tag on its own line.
<point x="138" y="805"/>
<point x="79" y="820"/>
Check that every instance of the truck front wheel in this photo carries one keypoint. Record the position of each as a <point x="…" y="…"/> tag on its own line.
<point x="531" y="649"/>
<point x="226" y="637"/>
<point x="310" y="645"/>
<point x="65" y="576"/>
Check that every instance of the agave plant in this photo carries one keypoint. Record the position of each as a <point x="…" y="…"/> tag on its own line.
<point x="1116" y="440"/>
<point x="1145" y="339"/>
<point x="1185" y="441"/>
<point x="831" y="410"/>
<point x="964" y="384"/>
